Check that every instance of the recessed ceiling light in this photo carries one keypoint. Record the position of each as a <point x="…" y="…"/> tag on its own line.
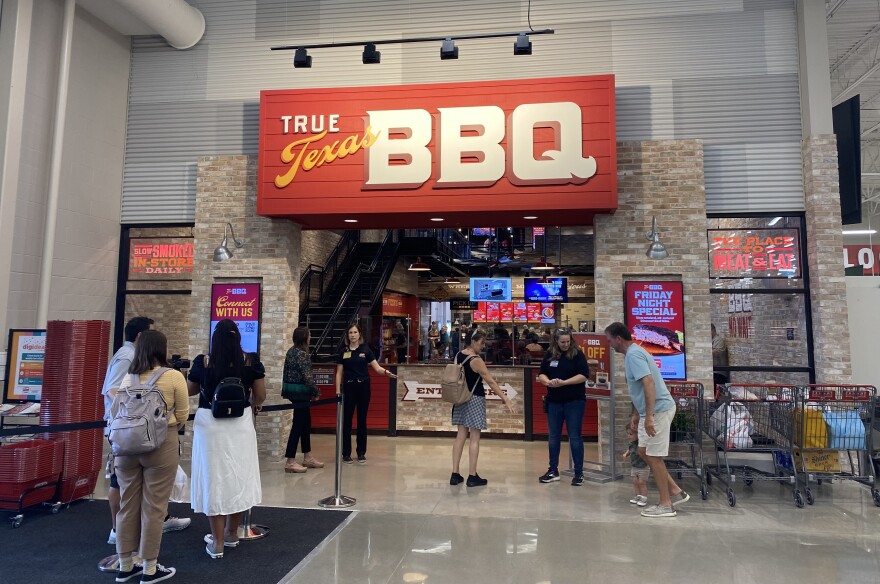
<point x="351" y="220"/>
<point x="436" y="218"/>
<point x="530" y="217"/>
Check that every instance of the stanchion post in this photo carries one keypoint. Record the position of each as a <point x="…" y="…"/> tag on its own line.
<point x="338" y="500"/>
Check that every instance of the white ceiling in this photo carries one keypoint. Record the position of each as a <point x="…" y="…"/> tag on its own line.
<point x="854" y="58"/>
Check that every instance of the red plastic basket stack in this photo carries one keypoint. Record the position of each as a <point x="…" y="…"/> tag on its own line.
<point x="34" y="466"/>
<point x="73" y="374"/>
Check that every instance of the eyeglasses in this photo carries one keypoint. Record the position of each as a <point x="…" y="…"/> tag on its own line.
<point x="562" y="332"/>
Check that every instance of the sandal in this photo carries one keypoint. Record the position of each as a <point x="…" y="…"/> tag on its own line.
<point x="294" y="467"/>
<point x="312" y="463"/>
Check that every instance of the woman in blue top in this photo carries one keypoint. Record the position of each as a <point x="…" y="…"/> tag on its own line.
<point x="564" y="371"/>
<point x="353" y="383"/>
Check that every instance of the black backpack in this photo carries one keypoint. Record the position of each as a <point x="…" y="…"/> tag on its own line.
<point x="230" y="398"/>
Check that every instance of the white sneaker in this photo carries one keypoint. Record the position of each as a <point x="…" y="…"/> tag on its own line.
<point x="175" y="524"/>
<point x="112" y="539"/>
<point x="659" y="511"/>
<point x="640" y="500"/>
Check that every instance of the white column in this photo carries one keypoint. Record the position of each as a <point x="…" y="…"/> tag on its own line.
<point x="815" y="74"/>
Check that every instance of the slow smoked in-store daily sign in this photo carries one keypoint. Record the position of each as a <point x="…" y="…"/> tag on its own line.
<point x="161" y="258"/>
<point x="655" y="315"/>
<point x="470" y="153"/>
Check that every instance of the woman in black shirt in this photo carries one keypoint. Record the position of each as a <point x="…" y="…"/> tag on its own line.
<point x="564" y="372"/>
<point x="353" y="383"/>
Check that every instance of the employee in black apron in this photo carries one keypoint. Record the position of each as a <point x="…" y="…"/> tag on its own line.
<point x="353" y="383"/>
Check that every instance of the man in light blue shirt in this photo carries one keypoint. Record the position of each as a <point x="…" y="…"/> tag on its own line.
<point x="654" y="410"/>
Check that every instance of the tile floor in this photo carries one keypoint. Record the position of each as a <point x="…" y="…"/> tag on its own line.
<point x="412" y="527"/>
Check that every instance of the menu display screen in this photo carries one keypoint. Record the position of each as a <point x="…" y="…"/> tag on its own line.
<point x="520" y="312"/>
<point x="480" y="312"/>
<point x="491" y="289"/>
<point x="493" y="312"/>
<point x="507" y="312"/>
<point x="546" y="289"/>
<point x="548" y="313"/>
<point x="533" y="311"/>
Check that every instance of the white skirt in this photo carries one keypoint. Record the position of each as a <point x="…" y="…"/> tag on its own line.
<point x="225" y="465"/>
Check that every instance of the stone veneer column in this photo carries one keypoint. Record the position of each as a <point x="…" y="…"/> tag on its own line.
<point x="226" y="191"/>
<point x="824" y="248"/>
<point x="663" y="179"/>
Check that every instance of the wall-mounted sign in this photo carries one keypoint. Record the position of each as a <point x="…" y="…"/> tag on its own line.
<point x="160" y="258"/>
<point x="395" y="156"/>
<point x="864" y="257"/>
<point x="580" y="289"/>
<point x="655" y="315"/>
<point x="754" y="253"/>
<point x="457" y="304"/>
<point x="546" y="289"/>
<point x="241" y="303"/>
<point x="24" y="365"/>
<point x="416" y="391"/>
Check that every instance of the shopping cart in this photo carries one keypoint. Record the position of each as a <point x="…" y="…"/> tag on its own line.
<point x="831" y="420"/>
<point x="29" y="473"/>
<point x="686" y="432"/>
<point x="754" y="419"/>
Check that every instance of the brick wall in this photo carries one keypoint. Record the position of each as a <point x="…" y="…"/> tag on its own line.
<point x="663" y="179"/>
<point x="272" y="255"/>
<point x="824" y="249"/>
<point x="435" y="415"/>
<point x="317" y="246"/>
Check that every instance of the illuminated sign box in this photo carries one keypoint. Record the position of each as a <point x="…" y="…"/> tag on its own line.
<point x="754" y="253"/>
<point x="160" y="258"/>
<point x="546" y="290"/>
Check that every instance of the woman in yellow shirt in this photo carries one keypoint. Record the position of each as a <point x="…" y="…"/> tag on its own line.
<point x="146" y="480"/>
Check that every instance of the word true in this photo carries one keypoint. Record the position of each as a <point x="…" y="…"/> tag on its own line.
<point x="467" y="149"/>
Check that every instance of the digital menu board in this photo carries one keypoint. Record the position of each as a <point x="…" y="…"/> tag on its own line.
<point x="493" y="312"/>
<point x="655" y="315"/>
<point x="480" y="312"/>
<point x="548" y="313"/>
<point x="533" y="312"/>
<point x="546" y="289"/>
<point x="507" y="312"/>
<point x="520" y="313"/>
<point x="491" y="289"/>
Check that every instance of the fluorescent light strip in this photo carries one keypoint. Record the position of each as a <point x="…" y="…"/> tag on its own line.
<point x="860" y="232"/>
<point x="774" y="221"/>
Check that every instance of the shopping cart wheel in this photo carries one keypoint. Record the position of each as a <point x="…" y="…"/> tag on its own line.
<point x="56" y="507"/>
<point x="809" y="494"/>
<point x="748" y="482"/>
<point x="16" y="521"/>
<point x="876" y="494"/>
<point x="704" y="492"/>
<point x="798" y="499"/>
<point x="731" y="497"/>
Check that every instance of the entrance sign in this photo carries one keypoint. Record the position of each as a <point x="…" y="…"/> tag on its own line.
<point x="240" y="303"/>
<point x="396" y="156"/>
<point x="655" y="315"/>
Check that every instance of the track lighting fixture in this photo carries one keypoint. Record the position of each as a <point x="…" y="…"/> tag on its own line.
<point x="302" y="59"/>
<point x="448" y="50"/>
<point x="371" y="55"/>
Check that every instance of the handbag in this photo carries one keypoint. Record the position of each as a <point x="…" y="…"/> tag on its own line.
<point x="296" y="391"/>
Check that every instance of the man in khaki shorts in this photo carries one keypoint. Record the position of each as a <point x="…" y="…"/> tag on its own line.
<point x="654" y="410"/>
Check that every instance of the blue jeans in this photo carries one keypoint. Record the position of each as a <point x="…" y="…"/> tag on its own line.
<point x="572" y="413"/>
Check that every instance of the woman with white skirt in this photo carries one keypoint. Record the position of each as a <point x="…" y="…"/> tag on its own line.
<point x="225" y="466"/>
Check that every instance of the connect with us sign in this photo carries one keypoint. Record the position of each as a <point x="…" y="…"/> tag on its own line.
<point x="397" y="156"/>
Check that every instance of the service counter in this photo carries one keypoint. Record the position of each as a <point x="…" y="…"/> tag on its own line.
<point x="412" y="403"/>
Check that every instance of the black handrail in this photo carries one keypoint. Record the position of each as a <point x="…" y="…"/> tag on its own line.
<point x="327" y="272"/>
<point x="355" y="278"/>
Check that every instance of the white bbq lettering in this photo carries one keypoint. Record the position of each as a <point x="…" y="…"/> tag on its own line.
<point x="411" y="154"/>
<point x="488" y="123"/>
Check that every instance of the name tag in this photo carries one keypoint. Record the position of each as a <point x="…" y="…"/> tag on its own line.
<point x="346" y="355"/>
<point x="554" y="363"/>
<point x="363" y="355"/>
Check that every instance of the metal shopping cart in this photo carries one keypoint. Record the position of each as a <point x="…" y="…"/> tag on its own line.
<point x="831" y="420"/>
<point x="686" y="431"/>
<point x="755" y="419"/>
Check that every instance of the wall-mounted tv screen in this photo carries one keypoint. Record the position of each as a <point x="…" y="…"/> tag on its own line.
<point x="491" y="290"/>
<point x="546" y="290"/>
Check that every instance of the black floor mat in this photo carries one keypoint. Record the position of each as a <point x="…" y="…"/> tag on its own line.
<point x="68" y="546"/>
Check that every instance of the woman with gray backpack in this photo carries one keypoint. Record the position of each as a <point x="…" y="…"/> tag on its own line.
<point x="146" y="478"/>
<point x="470" y="416"/>
<point x="225" y="468"/>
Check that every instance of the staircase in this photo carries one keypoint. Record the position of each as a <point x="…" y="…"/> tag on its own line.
<point x="356" y="289"/>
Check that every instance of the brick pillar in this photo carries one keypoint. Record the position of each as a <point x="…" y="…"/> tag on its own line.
<point x="824" y="250"/>
<point x="226" y="191"/>
<point x="663" y="179"/>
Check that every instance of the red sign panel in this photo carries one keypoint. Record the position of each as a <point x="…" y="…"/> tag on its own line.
<point x="168" y="258"/>
<point x="754" y="253"/>
<point x="396" y="156"/>
<point x="865" y="256"/>
<point x="655" y="315"/>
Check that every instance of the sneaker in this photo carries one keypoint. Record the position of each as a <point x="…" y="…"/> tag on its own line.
<point x="126" y="576"/>
<point x="476" y="481"/>
<point x="658" y="511"/>
<point x="362" y="459"/>
<point x="112" y="538"/>
<point x="551" y="476"/>
<point x="640" y="500"/>
<point x="209" y="549"/>
<point x="578" y="480"/>
<point x="226" y="542"/>
<point x="680" y="498"/>
<point x="175" y="524"/>
<point x="347" y="460"/>
<point x="162" y="573"/>
<point x="456" y="479"/>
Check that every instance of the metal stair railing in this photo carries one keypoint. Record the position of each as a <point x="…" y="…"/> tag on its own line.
<point x="325" y="274"/>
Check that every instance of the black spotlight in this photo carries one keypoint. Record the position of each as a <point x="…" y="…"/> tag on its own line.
<point x="301" y="59"/>
<point x="448" y="50"/>
<point x="522" y="46"/>
<point x="371" y="55"/>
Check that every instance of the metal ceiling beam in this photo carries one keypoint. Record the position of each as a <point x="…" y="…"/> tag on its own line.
<point x="835" y="8"/>
<point x="852" y="50"/>
<point x="845" y="94"/>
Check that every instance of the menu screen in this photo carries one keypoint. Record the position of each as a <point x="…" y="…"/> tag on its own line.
<point x="493" y="312"/>
<point x="507" y="312"/>
<point x="548" y="314"/>
<point x="480" y="312"/>
<point x="520" y="313"/>
<point x="533" y="311"/>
